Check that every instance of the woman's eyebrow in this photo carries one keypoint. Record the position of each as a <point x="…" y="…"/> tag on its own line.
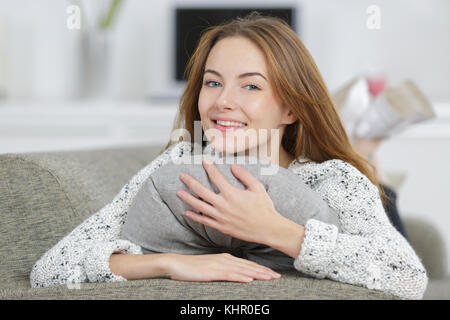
<point x="247" y="74"/>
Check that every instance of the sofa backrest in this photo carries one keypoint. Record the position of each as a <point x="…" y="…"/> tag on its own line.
<point x="44" y="196"/>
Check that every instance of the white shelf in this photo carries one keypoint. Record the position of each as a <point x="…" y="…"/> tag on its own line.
<point x="78" y="125"/>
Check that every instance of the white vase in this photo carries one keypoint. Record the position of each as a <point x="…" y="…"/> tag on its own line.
<point x="95" y="63"/>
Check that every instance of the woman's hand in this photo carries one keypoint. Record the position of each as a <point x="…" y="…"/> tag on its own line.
<point x="248" y="215"/>
<point x="215" y="267"/>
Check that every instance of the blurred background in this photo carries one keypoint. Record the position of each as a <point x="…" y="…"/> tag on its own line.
<point x="98" y="73"/>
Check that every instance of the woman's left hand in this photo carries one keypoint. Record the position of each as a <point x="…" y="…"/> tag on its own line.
<point x="248" y="214"/>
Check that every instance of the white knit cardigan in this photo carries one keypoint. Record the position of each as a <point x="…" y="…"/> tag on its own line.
<point x="368" y="252"/>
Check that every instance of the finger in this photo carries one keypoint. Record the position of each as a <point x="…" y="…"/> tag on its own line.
<point x="254" y="266"/>
<point x="198" y="204"/>
<point x="205" y="220"/>
<point x="233" y="273"/>
<point x="255" y="274"/>
<point x="200" y="190"/>
<point x="217" y="177"/>
<point x="236" y="277"/>
<point x="247" y="178"/>
<point x="251" y="271"/>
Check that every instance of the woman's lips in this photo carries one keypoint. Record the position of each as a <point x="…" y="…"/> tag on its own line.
<point x="227" y="128"/>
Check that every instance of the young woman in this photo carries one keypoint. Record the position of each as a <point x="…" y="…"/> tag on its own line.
<point x="255" y="71"/>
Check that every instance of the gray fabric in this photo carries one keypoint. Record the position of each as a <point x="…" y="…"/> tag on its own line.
<point x="429" y="245"/>
<point x="44" y="196"/>
<point x="438" y="289"/>
<point x="291" y="286"/>
<point x="156" y="219"/>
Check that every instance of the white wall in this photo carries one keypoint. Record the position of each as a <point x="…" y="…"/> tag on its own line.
<point x="413" y="42"/>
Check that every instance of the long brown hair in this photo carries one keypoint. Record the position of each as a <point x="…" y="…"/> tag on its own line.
<point x="318" y="134"/>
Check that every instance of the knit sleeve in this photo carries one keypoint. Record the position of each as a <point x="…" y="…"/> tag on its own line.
<point x="83" y="255"/>
<point x="368" y="251"/>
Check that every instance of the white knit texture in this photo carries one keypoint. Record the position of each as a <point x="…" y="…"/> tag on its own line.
<point x="368" y="252"/>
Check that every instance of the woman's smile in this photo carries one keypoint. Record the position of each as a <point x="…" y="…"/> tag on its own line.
<point x="228" y="125"/>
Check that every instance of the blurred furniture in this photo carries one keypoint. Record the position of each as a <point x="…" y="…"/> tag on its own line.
<point x="430" y="247"/>
<point x="44" y="196"/>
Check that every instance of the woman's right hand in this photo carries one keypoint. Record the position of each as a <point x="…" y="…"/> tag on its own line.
<point x="215" y="267"/>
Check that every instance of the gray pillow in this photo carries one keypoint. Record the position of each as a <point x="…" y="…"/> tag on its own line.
<point x="156" y="218"/>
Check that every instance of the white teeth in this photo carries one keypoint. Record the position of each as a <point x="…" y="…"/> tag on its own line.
<point x="230" y="123"/>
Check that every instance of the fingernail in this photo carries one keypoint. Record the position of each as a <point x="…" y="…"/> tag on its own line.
<point x="273" y="273"/>
<point x="207" y="161"/>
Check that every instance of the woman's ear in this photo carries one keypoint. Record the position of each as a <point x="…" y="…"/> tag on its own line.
<point x="289" y="117"/>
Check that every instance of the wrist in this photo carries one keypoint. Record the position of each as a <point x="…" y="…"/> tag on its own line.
<point x="139" y="266"/>
<point x="166" y="262"/>
<point x="287" y="237"/>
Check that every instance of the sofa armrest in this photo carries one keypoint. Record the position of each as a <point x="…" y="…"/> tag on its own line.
<point x="44" y="196"/>
<point x="429" y="245"/>
<point x="292" y="285"/>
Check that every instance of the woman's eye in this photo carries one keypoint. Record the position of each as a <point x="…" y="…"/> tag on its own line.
<point x="208" y="82"/>
<point x="253" y="86"/>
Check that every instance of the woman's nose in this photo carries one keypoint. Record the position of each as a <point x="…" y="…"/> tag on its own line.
<point x="226" y="99"/>
<point x="224" y="104"/>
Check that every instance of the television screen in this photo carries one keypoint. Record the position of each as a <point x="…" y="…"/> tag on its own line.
<point x="190" y="22"/>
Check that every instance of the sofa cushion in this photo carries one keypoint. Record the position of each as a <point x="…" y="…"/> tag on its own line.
<point x="292" y="285"/>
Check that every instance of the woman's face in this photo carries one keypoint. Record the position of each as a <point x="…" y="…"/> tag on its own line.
<point x="236" y="87"/>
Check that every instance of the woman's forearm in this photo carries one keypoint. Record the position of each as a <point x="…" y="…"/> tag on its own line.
<point x="139" y="266"/>
<point x="287" y="237"/>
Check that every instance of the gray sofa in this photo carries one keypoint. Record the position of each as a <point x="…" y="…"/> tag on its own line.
<point x="43" y="196"/>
